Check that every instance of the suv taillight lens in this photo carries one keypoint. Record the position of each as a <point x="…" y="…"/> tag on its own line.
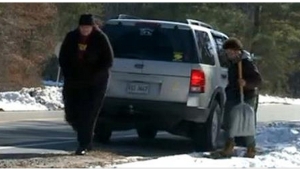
<point x="197" y="81"/>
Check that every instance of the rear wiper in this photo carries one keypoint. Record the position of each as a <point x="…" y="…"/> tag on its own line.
<point x="130" y="56"/>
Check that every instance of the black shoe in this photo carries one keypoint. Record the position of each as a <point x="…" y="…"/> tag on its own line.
<point x="81" y="151"/>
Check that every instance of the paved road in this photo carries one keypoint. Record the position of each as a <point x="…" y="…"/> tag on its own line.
<point x="29" y="133"/>
<point x="39" y="137"/>
<point x="30" y="115"/>
<point x="278" y="112"/>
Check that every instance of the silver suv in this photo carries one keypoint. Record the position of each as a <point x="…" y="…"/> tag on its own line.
<point x="167" y="76"/>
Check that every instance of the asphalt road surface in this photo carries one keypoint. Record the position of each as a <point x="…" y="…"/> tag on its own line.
<point x="29" y="133"/>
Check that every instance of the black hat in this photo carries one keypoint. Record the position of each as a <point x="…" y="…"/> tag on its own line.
<point x="86" y="19"/>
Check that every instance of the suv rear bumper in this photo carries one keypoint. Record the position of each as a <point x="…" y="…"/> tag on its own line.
<point x="161" y="114"/>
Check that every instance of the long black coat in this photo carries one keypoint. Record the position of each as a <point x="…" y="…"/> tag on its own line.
<point x="85" y="80"/>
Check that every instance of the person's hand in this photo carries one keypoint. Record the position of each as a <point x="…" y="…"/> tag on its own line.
<point x="242" y="82"/>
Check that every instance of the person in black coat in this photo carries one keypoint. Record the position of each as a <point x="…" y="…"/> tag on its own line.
<point x="85" y="58"/>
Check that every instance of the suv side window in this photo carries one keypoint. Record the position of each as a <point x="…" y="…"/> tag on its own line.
<point x="205" y="47"/>
<point x="221" y="53"/>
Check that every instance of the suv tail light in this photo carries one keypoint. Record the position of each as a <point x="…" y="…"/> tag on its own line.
<point x="197" y="81"/>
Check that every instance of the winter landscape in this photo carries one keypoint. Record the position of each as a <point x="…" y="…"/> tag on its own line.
<point x="280" y="140"/>
<point x="33" y="130"/>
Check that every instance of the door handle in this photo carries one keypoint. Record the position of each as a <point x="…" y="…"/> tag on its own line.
<point x="139" y="66"/>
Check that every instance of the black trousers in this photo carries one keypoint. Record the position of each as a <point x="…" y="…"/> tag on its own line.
<point x="82" y="107"/>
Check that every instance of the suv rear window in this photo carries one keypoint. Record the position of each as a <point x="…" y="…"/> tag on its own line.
<point x="151" y="42"/>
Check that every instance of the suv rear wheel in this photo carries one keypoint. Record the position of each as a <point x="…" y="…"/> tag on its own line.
<point x="102" y="133"/>
<point x="205" y="136"/>
<point x="146" y="132"/>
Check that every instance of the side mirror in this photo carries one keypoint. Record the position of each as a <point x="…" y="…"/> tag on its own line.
<point x="255" y="57"/>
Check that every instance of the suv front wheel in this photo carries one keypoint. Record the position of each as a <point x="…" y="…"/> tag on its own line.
<point x="205" y="136"/>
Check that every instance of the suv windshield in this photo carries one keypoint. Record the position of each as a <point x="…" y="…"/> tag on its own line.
<point x="150" y="42"/>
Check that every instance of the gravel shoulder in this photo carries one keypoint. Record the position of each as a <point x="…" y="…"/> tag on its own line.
<point x="96" y="158"/>
<point x="117" y="152"/>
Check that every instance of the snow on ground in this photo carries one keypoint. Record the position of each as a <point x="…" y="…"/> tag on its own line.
<point x="50" y="98"/>
<point x="280" y="140"/>
<point x="47" y="98"/>
<point x="266" y="99"/>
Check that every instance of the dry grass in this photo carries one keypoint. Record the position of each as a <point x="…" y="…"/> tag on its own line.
<point x="26" y="39"/>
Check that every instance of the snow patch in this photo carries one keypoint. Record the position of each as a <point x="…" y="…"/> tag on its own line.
<point x="279" y="135"/>
<point x="280" y="140"/>
<point x="284" y="158"/>
<point x="47" y="98"/>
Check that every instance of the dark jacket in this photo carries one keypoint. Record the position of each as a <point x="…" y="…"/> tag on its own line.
<point x="94" y="66"/>
<point x="250" y="74"/>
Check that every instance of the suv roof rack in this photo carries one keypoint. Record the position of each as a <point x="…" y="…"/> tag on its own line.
<point x="189" y="21"/>
<point x="125" y="16"/>
<point x="196" y="22"/>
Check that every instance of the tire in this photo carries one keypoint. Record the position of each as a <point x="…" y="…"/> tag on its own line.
<point x="146" y="133"/>
<point x="102" y="133"/>
<point x="205" y="136"/>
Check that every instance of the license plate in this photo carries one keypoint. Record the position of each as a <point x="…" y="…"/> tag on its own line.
<point x="138" y="88"/>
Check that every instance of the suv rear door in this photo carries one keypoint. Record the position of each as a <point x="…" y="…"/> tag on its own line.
<point x="165" y="53"/>
<point x="208" y="54"/>
<point x="219" y="39"/>
<point x="125" y="61"/>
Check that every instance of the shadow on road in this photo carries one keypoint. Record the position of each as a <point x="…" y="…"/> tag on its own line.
<point x="147" y="148"/>
<point x="43" y="136"/>
<point x="36" y="134"/>
<point x="28" y="156"/>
